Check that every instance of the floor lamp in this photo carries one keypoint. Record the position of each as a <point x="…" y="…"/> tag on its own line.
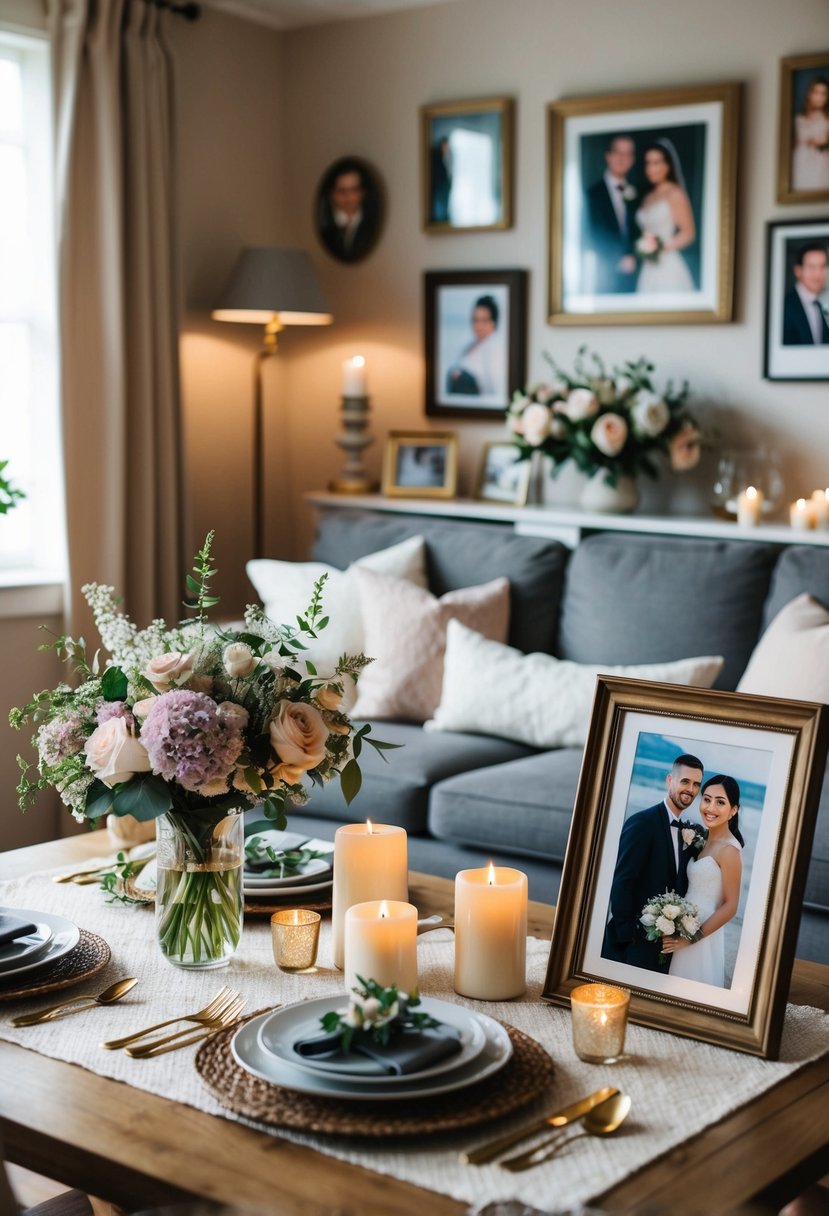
<point x="273" y="287"/>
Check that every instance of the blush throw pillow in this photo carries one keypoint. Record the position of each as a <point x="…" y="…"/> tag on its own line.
<point x="544" y="702"/>
<point x="285" y="589"/>
<point x="792" y="657"/>
<point x="405" y="633"/>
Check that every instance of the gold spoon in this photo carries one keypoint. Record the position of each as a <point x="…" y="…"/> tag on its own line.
<point x="108" y="997"/>
<point x="602" y="1120"/>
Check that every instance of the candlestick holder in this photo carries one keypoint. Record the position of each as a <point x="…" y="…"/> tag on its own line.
<point x="354" y="439"/>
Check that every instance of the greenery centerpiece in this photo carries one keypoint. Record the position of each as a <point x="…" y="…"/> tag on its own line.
<point x="611" y="424"/>
<point x="188" y="726"/>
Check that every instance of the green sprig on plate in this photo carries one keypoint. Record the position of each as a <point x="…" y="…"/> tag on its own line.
<point x="285" y="863"/>
<point x="378" y="1013"/>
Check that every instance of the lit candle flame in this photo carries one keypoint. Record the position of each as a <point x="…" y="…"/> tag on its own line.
<point x="801" y="504"/>
<point x="384" y="910"/>
<point x="369" y="827"/>
<point x="358" y="361"/>
<point x="751" y="492"/>
<point x="491" y="875"/>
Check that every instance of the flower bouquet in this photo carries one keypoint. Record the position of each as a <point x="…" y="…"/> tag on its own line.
<point x="648" y="247"/>
<point x="188" y="726"/>
<point x="612" y="423"/>
<point x="669" y="915"/>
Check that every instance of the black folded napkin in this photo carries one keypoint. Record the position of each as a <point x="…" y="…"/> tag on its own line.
<point x="408" y="1051"/>
<point x="12" y="927"/>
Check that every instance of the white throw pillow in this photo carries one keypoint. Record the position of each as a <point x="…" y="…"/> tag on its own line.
<point x="285" y="589"/>
<point x="792" y="657"/>
<point x="491" y="689"/>
<point x="406" y="636"/>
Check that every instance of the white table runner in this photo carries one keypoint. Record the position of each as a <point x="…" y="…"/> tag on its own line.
<point x="678" y="1086"/>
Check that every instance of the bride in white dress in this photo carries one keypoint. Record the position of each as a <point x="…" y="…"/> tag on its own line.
<point x="810" y="158"/>
<point x="665" y="214"/>
<point x="713" y="885"/>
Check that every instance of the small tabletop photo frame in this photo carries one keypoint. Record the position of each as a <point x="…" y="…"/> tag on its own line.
<point x="502" y="475"/>
<point x="421" y="464"/>
<point x="759" y="764"/>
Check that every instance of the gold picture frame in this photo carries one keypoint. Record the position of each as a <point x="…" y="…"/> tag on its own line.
<point x="466" y="187"/>
<point x="421" y="464"/>
<point x="801" y="177"/>
<point x="661" y="250"/>
<point x="638" y="729"/>
<point x="503" y="477"/>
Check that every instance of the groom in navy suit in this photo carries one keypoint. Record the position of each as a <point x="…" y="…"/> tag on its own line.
<point x="611" y="220"/>
<point x="804" y="321"/>
<point x="652" y="858"/>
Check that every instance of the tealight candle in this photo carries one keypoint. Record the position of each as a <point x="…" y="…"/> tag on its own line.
<point x="749" y="505"/>
<point x="599" y="1014"/>
<point x="820" y="508"/>
<point x="490" y="933"/>
<point x="354" y="377"/>
<point x="370" y="862"/>
<point x="295" y="935"/>
<point x="381" y="944"/>
<point x="801" y="516"/>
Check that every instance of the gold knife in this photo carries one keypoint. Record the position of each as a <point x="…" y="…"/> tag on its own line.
<point x="487" y="1151"/>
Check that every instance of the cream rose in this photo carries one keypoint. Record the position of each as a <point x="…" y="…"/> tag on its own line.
<point x="298" y="735"/>
<point x="239" y="659"/>
<point x="329" y="697"/>
<point x="141" y="708"/>
<point x="536" y="423"/>
<point x="115" y="755"/>
<point x="647" y="919"/>
<point x="690" y="924"/>
<point x="581" y="404"/>
<point x="687" y="835"/>
<point x="672" y="911"/>
<point x="650" y="414"/>
<point x="665" y="926"/>
<point x="609" y="433"/>
<point x="291" y="774"/>
<point x="684" y="448"/>
<point x="168" y="671"/>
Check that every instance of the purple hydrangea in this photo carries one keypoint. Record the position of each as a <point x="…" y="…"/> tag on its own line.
<point x="189" y="741"/>
<point x="61" y="737"/>
<point x="113" y="709"/>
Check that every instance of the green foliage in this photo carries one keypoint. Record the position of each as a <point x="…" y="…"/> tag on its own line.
<point x="198" y="583"/>
<point x="9" y="494"/>
<point x="390" y="1012"/>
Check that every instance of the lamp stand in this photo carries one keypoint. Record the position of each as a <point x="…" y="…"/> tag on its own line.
<point x="270" y="347"/>
<point x="353" y="440"/>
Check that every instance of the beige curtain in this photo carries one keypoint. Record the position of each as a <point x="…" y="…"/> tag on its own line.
<point x="117" y="301"/>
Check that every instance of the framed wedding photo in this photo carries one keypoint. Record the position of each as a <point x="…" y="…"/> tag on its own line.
<point x="466" y="165"/>
<point x="642" y="207"/>
<point x="502" y="475"/>
<point x="803" y="160"/>
<point x="421" y="464"/>
<point x="797" y="301"/>
<point x="745" y="773"/>
<point x="475" y="333"/>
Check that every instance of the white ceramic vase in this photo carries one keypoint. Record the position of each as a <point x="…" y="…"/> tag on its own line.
<point x="599" y="495"/>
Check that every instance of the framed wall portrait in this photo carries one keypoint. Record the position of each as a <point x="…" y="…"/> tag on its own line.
<point x="475" y="331"/>
<point x="466" y="165"/>
<point x="642" y="207"/>
<point x="740" y="778"/>
<point x="421" y="464"/>
<point x="348" y="209"/>
<point x="797" y="301"/>
<point x="803" y="162"/>
<point x="502" y="475"/>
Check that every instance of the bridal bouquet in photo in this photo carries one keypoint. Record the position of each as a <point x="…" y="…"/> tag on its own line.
<point x="648" y="247"/>
<point x="606" y="421"/>
<point x="188" y="726"/>
<point x="669" y="915"/>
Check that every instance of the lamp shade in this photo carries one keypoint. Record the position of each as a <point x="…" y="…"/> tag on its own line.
<point x="273" y="284"/>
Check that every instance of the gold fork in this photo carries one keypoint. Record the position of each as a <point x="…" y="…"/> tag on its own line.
<point x="219" y="1003"/>
<point x="183" y="1038"/>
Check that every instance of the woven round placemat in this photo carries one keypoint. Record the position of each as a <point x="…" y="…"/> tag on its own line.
<point x="527" y="1074"/>
<point x="83" y="961"/>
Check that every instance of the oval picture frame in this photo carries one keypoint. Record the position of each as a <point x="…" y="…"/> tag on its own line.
<point x="348" y="209"/>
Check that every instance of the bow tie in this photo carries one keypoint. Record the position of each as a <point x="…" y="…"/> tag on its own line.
<point x="676" y="824"/>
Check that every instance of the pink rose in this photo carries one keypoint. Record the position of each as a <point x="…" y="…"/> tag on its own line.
<point x="298" y="735"/>
<point x="581" y="404"/>
<point x="609" y="433"/>
<point x="687" y="835"/>
<point x="291" y="774"/>
<point x="329" y="697"/>
<point x="168" y="671"/>
<point x="684" y="448"/>
<point x="114" y="754"/>
<point x="536" y="424"/>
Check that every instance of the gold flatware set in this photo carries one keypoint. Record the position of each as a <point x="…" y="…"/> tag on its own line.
<point x="76" y="1003"/>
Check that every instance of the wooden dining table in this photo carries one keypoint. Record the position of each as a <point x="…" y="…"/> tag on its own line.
<point x="140" y="1150"/>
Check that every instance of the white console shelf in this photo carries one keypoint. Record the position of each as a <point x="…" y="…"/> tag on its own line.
<point x="568" y="524"/>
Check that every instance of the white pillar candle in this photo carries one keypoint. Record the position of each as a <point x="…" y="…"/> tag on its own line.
<point x="491" y="933"/>
<point x="820" y="509"/>
<point x="370" y="862"/>
<point x="749" y="505"/>
<point x="801" y="517"/>
<point x="381" y="944"/>
<point x="354" y="377"/>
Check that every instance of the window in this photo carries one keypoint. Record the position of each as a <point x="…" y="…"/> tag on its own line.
<point x="31" y="535"/>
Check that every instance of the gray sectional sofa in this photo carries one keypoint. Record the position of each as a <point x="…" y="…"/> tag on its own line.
<point x="616" y="599"/>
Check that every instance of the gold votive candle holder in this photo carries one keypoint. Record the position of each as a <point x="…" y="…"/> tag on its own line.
<point x="295" y="933"/>
<point x="599" y="1014"/>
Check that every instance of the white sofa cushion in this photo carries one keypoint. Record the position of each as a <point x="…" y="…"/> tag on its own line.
<point x="791" y="659"/>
